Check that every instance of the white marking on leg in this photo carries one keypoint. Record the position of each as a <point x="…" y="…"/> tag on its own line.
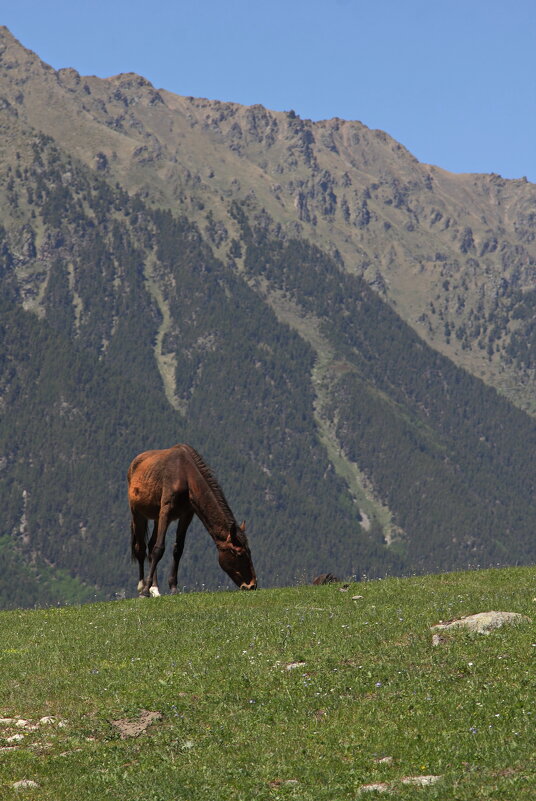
<point x="154" y="592"/>
<point x="141" y="585"/>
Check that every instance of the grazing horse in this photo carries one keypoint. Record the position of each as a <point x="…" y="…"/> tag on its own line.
<point x="175" y="484"/>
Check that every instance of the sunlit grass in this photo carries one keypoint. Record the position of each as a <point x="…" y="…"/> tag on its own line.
<point x="295" y="693"/>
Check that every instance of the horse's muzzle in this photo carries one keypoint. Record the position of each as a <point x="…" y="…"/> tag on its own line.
<point x="251" y="586"/>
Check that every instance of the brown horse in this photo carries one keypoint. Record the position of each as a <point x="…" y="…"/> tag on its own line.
<point x="175" y="484"/>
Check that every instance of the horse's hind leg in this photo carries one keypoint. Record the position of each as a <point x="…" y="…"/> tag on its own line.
<point x="178" y="548"/>
<point x="157" y="546"/>
<point x="153" y="589"/>
<point x="138" y="531"/>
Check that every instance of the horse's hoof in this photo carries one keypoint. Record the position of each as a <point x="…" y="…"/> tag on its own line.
<point x="144" y="594"/>
<point x="154" y="592"/>
<point x="173" y="590"/>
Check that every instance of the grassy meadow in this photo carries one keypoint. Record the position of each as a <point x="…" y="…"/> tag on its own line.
<point x="300" y="693"/>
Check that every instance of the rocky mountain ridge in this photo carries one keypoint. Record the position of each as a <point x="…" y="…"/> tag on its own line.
<point x="453" y="254"/>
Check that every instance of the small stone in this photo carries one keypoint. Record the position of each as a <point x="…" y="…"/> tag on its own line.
<point x="294" y="665"/>
<point x="357" y="597"/>
<point x="7" y="721"/>
<point x="21" y="723"/>
<point x="276" y="783"/>
<point x="376" y="787"/>
<point x="25" y="784"/>
<point x="386" y="760"/>
<point x="421" y="781"/>
<point x="47" y="720"/>
<point x="15" y="738"/>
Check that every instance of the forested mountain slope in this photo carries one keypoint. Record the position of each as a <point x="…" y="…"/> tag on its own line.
<point x="140" y="307"/>
<point x="455" y="255"/>
<point x="82" y="392"/>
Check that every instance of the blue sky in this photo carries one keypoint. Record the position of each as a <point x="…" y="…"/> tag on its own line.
<point x="454" y="81"/>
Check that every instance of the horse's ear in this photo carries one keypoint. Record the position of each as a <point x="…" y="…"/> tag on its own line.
<point x="242" y="526"/>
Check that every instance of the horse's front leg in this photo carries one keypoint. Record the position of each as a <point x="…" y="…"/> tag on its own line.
<point x="182" y="528"/>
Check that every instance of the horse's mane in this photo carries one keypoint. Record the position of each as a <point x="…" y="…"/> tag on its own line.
<point x="209" y="477"/>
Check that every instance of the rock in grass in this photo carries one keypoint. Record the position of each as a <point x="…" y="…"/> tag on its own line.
<point x="25" y="784"/>
<point x="390" y="787"/>
<point x="483" y="623"/>
<point x="375" y="787"/>
<point x="420" y="781"/>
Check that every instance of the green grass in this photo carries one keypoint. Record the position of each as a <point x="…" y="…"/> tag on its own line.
<point x="236" y="723"/>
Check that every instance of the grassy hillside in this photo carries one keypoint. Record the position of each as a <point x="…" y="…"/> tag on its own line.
<point x="300" y="693"/>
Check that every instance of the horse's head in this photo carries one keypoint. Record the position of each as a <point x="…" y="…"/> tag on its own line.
<point x="235" y="558"/>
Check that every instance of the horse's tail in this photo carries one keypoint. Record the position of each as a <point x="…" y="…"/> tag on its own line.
<point x="138" y="536"/>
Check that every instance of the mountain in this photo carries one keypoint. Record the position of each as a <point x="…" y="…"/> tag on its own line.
<point x="455" y="255"/>
<point x="305" y="303"/>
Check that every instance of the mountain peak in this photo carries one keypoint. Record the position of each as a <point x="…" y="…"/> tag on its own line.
<point x="14" y="51"/>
